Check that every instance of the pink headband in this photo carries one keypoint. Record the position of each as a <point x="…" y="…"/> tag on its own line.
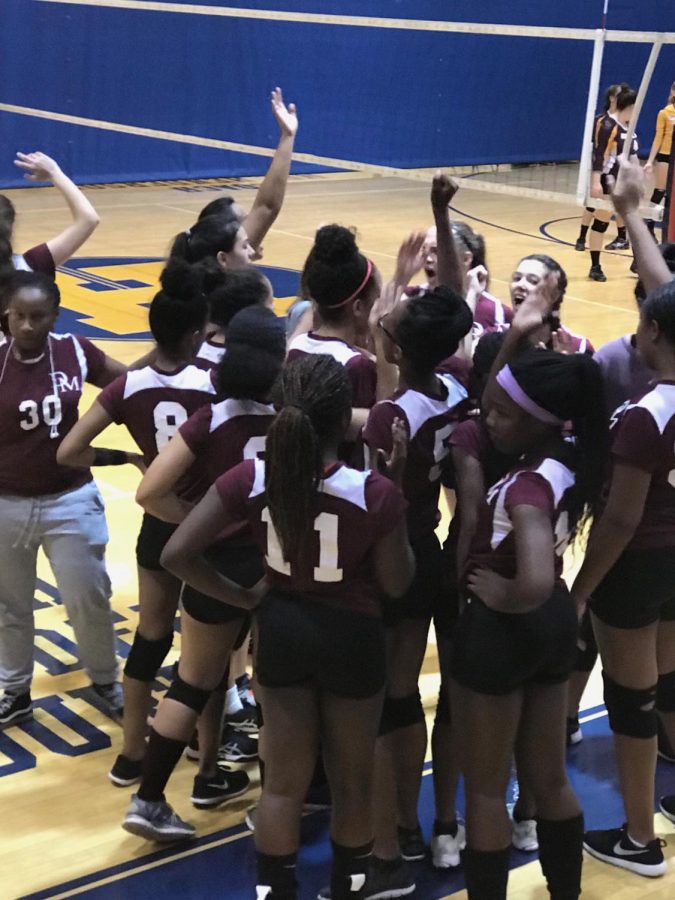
<point x="508" y="383"/>
<point x="369" y="269"/>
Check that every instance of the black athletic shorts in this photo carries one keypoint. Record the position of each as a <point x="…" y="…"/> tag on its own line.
<point x="423" y="596"/>
<point x="446" y="612"/>
<point x="244" y="565"/>
<point x="497" y="653"/>
<point x="638" y="590"/>
<point x="603" y="180"/>
<point x="304" y="641"/>
<point x="662" y="157"/>
<point x="152" y="539"/>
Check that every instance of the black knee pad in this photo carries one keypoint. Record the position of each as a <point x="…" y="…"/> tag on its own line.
<point x="657" y="196"/>
<point x="146" y="657"/>
<point x="193" y="697"/>
<point x="401" y="712"/>
<point x="631" y="712"/>
<point x="600" y="227"/>
<point x="442" y="707"/>
<point x="590" y="209"/>
<point x="665" y="693"/>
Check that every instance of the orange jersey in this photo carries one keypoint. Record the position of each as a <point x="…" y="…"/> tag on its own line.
<point x="665" y="122"/>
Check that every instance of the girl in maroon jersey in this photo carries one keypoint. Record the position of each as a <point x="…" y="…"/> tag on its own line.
<point x="628" y="577"/>
<point x="334" y="540"/>
<point x="212" y="441"/>
<point x="47" y="256"/>
<point x="151" y="402"/>
<point x="46" y="505"/>
<point x="515" y="641"/>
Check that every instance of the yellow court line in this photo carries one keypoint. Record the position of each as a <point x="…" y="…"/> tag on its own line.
<point x="534" y="31"/>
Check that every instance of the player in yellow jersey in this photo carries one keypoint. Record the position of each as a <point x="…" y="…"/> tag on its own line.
<point x="659" y="155"/>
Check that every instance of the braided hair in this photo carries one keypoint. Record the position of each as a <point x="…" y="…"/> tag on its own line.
<point x="314" y="399"/>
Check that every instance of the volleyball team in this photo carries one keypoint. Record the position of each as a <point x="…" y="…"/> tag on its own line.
<point x="291" y="479"/>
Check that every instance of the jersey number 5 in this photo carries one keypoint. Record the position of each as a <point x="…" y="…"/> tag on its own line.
<point x="327" y="571"/>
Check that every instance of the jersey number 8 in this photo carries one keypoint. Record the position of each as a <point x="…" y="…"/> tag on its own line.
<point x="168" y="416"/>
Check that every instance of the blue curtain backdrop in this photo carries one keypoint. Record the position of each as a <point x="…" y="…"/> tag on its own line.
<point x="384" y="96"/>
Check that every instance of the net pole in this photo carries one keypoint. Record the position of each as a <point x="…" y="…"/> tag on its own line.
<point x="591" y="106"/>
<point x="642" y="92"/>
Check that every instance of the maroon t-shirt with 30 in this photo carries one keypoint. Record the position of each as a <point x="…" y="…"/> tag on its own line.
<point x="356" y="509"/>
<point x="545" y="484"/>
<point x="429" y="422"/>
<point x="38" y="407"/>
<point x="643" y="435"/>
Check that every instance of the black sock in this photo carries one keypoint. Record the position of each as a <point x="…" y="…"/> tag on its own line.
<point x="278" y="872"/>
<point x="161" y="759"/>
<point x="650" y="226"/>
<point x="445" y="827"/>
<point x="350" y="868"/>
<point x="487" y="873"/>
<point x="657" y="196"/>
<point x="621" y="232"/>
<point x="261" y="766"/>
<point x="519" y="817"/>
<point x="560" y="855"/>
<point x="595" y="258"/>
<point x="583" y="231"/>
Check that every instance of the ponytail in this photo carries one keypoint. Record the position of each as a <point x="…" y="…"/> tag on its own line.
<point x="314" y="396"/>
<point x="207" y="237"/>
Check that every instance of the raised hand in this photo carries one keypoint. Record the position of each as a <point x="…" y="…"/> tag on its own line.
<point x="562" y="342"/>
<point x="410" y="258"/>
<point x="477" y="279"/>
<point x="37" y="166"/>
<point x="628" y="189"/>
<point x="443" y="189"/>
<point x="389" y="297"/>
<point x="286" y="116"/>
<point x="393" y="464"/>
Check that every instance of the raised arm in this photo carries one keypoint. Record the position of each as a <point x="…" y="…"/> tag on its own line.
<point x="156" y="491"/>
<point x="449" y="270"/>
<point x="40" y="167"/>
<point x="270" y="196"/>
<point x="626" y="195"/>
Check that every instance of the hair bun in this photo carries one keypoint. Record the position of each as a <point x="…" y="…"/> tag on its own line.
<point x="335" y="244"/>
<point x="181" y="280"/>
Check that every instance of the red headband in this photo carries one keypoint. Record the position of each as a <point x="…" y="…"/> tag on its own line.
<point x="369" y="270"/>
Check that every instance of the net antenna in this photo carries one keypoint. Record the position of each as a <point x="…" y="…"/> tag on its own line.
<point x="583" y="184"/>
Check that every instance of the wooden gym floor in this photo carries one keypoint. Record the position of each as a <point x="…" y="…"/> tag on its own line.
<point x="60" y="815"/>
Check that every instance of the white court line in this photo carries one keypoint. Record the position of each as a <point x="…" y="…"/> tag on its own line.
<point x="232" y="12"/>
<point x="592" y="716"/>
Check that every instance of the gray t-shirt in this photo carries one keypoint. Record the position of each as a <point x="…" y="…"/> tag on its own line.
<point x="624" y="373"/>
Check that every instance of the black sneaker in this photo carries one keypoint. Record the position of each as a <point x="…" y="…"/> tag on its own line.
<point x="209" y="791"/>
<point x="113" y="699"/>
<point x="413" y="848"/>
<point x="125" y="771"/>
<point x="386" y="880"/>
<point x="245" y="720"/>
<point x="237" y="747"/>
<point x="15" y="708"/>
<point x="667" y="807"/>
<point x="596" y="274"/>
<point x="614" y="846"/>
<point x="580" y="245"/>
<point x="618" y="244"/>
<point x="574" y="734"/>
<point x="245" y="690"/>
<point x="665" y="748"/>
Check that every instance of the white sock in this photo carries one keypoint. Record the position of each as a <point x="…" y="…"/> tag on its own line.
<point x="232" y="701"/>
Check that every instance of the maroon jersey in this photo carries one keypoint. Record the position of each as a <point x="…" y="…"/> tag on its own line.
<point x="458" y="367"/>
<point x="643" y="435"/>
<point x="209" y="355"/>
<point x="429" y="422"/>
<point x="154" y="404"/>
<point x="37" y="259"/>
<point x="579" y="343"/>
<point x="361" y="369"/>
<point x="38" y="407"/>
<point x="490" y="314"/>
<point x="545" y="484"/>
<point x="356" y="509"/>
<point x="221" y="435"/>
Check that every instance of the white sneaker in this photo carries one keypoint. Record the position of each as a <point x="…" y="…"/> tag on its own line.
<point x="524" y="835"/>
<point x="445" y="848"/>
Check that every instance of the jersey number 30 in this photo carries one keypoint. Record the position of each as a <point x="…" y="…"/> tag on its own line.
<point x="327" y="571"/>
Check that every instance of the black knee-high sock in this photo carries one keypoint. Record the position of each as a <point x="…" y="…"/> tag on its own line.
<point x="350" y="867"/>
<point x="657" y="196"/>
<point x="621" y="232"/>
<point x="595" y="258"/>
<point x="487" y="873"/>
<point x="278" y="873"/>
<point x="583" y="231"/>
<point x="160" y="760"/>
<point x="560" y="855"/>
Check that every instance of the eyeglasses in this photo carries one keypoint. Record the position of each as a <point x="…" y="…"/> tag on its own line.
<point x="388" y="333"/>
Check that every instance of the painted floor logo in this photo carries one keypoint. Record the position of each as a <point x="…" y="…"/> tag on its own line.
<point x="106" y="297"/>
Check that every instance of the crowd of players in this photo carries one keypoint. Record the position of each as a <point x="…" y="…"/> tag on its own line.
<point x="292" y="473"/>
